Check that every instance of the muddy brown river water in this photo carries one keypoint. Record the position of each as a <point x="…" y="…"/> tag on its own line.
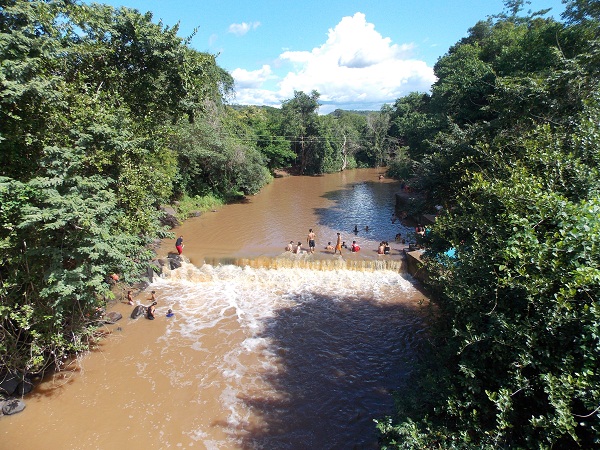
<point x="266" y="350"/>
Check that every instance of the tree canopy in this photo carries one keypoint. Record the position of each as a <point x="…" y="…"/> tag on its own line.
<point x="508" y="143"/>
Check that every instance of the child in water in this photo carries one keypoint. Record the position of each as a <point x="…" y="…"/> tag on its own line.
<point x="150" y="311"/>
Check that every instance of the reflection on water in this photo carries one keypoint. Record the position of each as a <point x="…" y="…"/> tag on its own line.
<point x="268" y="352"/>
<point x="363" y="204"/>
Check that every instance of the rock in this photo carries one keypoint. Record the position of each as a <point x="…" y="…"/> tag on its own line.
<point x="138" y="311"/>
<point x="175" y="261"/>
<point x="162" y="262"/>
<point x="24" y="387"/>
<point x="168" y="210"/>
<point x="13" y="406"/>
<point x="112" y="317"/>
<point x="153" y="269"/>
<point x="9" y="382"/>
<point x="169" y="218"/>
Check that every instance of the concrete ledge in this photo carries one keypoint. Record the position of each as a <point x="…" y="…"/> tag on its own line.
<point x="414" y="265"/>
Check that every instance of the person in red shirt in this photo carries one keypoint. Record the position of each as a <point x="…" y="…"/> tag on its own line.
<point x="179" y="245"/>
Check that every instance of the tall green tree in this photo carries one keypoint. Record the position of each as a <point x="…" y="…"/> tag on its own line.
<point x="89" y="97"/>
<point x="515" y="334"/>
<point x="300" y="124"/>
<point x="377" y="137"/>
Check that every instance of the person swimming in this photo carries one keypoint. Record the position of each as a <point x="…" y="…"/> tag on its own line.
<point x="170" y="313"/>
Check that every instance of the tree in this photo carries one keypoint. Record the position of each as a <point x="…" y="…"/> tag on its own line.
<point x="89" y="99"/>
<point x="264" y="125"/>
<point x="515" y="333"/>
<point x="300" y="124"/>
<point x="376" y="134"/>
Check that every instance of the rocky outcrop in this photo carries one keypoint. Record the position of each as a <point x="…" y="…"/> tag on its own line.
<point x="169" y="217"/>
<point x="138" y="311"/>
<point x="175" y="261"/>
<point x="9" y="381"/>
<point x="13" y="384"/>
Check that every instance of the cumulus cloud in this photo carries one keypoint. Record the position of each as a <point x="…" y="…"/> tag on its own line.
<point x="355" y="66"/>
<point x="252" y="79"/>
<point x="240" y="29"/>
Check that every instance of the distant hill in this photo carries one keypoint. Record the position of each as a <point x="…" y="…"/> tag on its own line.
<point x="341" y="112"/>
<point x="336" y="113"/>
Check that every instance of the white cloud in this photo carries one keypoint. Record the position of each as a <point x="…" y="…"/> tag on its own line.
<point x="252" y="79"/>
<point x="356" y="68"/>
<point x="240" y="29"/>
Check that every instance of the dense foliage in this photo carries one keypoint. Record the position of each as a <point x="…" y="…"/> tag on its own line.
<point x="508" y="141"/>
<point x="95" y="107"/>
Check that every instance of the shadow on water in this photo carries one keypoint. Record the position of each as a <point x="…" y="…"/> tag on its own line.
<point x="340" y="360"/>
<point x="367" y="203"/>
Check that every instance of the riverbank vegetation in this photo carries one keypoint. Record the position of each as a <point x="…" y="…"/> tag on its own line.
<point x="105" y="116"/>
<point x="508" y="143"/>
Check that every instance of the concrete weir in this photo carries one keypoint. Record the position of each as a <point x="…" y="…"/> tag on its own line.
<point x="312" y="263"/>
<point x="414" y="265"/>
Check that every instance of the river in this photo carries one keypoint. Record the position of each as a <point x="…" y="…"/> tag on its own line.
<point x="265" y="350"/>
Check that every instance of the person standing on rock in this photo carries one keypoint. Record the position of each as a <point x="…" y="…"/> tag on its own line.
<point x="311" y="240"/>
<point x="179" y="245"/>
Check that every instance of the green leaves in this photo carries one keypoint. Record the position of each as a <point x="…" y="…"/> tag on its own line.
<point x="88" y="98"/>
<point x="518" y="329"/>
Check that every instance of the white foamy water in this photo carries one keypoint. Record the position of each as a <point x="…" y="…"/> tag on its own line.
<point x="285" y="345"/>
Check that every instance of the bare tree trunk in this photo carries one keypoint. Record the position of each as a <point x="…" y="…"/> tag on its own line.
<point x="344" y="154"/>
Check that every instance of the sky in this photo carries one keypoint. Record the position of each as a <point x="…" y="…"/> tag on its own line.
<point x="358" y="55"/>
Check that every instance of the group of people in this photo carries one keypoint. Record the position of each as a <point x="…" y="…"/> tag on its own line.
<point x="310" y="240"/>
<point x="384" y="248"/>
<point x="149" y="311"/>
<point x="342" y="244"/>
<point x="356" y="228"/>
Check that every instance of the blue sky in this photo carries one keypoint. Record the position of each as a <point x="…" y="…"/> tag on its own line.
<point x="357" y="55"/>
